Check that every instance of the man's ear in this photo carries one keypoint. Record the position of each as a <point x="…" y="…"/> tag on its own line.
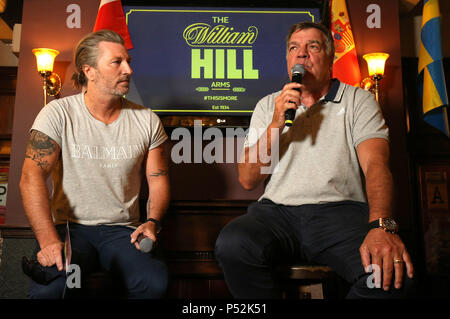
<point x="88" y="71"/>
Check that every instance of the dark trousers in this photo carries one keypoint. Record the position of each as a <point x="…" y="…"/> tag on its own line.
<point x="251" y="246"/>
<point x="108" y="248"/>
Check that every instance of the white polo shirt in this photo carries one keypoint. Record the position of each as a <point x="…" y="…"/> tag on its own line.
<point x="318" y="162"/>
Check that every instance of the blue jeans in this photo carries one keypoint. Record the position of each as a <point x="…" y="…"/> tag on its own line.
<point x="250" y="246"/>
<point x="108" y="248"/>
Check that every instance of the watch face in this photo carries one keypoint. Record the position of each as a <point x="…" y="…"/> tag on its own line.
<point x="390" y="224"/>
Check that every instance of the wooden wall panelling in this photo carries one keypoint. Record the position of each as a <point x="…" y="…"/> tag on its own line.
<point x="190" y="230"/>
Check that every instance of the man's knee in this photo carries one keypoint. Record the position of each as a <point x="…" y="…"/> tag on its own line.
<point x="236" y="241"/>
<point x="227" y="240"/>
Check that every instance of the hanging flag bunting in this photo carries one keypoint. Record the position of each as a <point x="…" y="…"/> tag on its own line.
<point x="110" y="16"/>
<point x="345" y="66"/>
<point x="433" y="97"/>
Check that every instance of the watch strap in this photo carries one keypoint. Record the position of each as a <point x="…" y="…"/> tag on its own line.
<point x="156" y="222"/>
<point x="374" y="224"/>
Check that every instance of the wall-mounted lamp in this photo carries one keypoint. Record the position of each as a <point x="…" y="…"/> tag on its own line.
<point x="52" y="82"/>
<point x="375" y="63"/>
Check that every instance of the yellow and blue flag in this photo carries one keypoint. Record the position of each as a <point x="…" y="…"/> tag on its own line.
<point x="431" y="80"/>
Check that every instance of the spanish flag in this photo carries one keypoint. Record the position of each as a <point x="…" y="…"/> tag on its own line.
<point x="110" y="16"/>
<point x="345" y="66"/>
<point x="433" y="98"/>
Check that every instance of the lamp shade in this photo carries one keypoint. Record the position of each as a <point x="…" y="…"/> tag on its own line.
<point x="376" y="62"/>
<point x="45" y="58"/>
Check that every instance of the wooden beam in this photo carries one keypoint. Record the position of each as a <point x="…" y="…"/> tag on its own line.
<point x="407" y="6"/>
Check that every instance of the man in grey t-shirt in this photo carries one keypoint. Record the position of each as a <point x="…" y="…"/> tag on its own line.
<point x="97" y="145"/>
<point x="316" y="206"/>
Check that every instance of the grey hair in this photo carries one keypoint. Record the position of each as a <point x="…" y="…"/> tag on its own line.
<point x="86" y="53"/>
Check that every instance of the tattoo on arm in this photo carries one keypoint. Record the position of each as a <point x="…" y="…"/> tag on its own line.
<point x="39" y="147"/>
<point x="161" y="172"/>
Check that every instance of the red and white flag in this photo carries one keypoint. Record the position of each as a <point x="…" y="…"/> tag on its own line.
<point x="345" y="67"/>
<point x="110" y="16"/>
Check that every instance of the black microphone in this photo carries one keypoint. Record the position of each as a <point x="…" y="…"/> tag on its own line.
<point x="145" y="243"/>
<point x="298" y="71"/>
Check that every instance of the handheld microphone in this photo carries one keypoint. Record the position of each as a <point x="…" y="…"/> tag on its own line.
<point x="298" y="71"/>
<point x="145" y="243"/>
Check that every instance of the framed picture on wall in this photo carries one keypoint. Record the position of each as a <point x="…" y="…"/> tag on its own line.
<point x="435" y="194"/>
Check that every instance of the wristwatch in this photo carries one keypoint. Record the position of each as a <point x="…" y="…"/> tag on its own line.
<point x="156" y="222"/>
<point x="388" y="224"/>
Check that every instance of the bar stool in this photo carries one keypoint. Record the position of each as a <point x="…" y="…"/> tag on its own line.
<point x="309" y="281"/>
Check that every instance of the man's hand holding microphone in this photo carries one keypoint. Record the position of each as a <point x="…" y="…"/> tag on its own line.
<point x="144" y="236"/>
<point x="286" y="104"/>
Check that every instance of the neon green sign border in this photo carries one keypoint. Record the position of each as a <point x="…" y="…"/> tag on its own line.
<point x="215" y="11"/>
<point x="211" y="11"/>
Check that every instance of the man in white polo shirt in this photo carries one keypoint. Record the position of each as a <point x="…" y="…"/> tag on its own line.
<point x="317" y="206"/>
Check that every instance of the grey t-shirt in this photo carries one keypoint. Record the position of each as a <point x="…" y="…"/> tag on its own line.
<point x="98" y="176"/>
<point x="318" y="162"/>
